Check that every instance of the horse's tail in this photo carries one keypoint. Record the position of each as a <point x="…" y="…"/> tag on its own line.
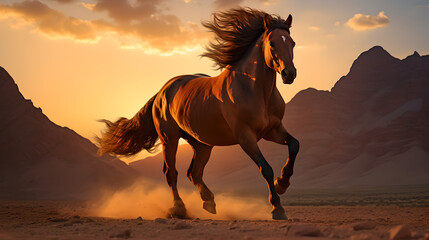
<point x="128" y="137"/>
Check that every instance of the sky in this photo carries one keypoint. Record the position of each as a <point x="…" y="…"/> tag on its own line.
<point x="83" y="60"/>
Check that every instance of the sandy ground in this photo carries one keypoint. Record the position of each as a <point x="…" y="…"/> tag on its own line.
<point x="71" y="220"/>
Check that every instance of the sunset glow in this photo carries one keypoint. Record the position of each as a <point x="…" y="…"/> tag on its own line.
<point x="97" y="59"/>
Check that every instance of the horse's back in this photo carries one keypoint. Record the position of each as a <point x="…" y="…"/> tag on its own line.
<point x="170" y="88"/>
<point x="194" y="104"/>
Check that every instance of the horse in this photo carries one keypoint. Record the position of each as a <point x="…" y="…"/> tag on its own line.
<point x="239" y="106"/>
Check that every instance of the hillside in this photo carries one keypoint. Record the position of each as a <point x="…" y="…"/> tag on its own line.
<point x="41" y="160"/>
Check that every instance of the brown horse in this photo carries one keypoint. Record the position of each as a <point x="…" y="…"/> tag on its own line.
<point x="240" y="106"/>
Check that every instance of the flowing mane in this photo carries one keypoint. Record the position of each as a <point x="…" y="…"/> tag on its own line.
<point x="235" y="32"/>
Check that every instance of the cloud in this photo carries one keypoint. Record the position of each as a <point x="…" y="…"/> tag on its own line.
<point x="141" y="24"/>
<point x="268" y="2"/>
<point x="330" y="36"/>
<point x="222" y="4"/>
<point x="144" y="25"/>
<point x="124" y="11"/>
<point x="89" y="6"/>
<point x="314" y="28"/>
<point x="360" y="22"/>
<point x="48" y="21"/>
<point x="63" y="1"/>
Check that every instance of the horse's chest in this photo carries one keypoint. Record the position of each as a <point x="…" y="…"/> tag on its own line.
<point x="258" y="117"/>
<point x="268" y="119"/>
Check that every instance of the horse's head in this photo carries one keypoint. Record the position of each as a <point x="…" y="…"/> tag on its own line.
<point x="278" y="48"/>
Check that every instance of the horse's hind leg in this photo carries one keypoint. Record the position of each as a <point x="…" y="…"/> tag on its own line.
<point x="281" y="136"/>
<point x="196" y="170"/>
<point x="169" y="150"/>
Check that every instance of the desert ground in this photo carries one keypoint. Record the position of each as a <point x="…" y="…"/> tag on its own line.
<point x="76" y="220"/>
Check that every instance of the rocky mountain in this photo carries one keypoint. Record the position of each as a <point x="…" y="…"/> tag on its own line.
<point x="41" y="160"/>
<point x="371" y="129"/>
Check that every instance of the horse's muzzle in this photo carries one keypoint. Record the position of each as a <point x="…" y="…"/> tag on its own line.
<point x="288" y="76"/>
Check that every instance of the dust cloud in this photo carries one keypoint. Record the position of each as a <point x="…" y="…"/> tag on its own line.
<point x="149" y="201"/>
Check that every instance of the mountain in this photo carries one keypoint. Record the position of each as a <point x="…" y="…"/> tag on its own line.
<point x="371" y="129"/>
<point x="41" y="160"/>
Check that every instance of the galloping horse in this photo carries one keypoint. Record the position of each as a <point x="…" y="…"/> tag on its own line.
<point x="240" y="106"/>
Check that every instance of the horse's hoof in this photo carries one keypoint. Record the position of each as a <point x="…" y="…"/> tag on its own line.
<point x="178" y="211"/>
<point x="279" y="214"/>
<point x="280" y="186"/>
<point x="210" y="206"/>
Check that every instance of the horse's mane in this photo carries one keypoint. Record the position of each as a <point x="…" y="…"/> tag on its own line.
<point x="235" y="31"/>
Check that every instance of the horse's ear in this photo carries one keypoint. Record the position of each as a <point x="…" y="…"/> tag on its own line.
<point x="267" y="21"/>
<point x="288" y="21"/>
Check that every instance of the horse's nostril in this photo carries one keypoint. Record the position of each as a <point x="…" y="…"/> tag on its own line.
<point x="284" y="74"/>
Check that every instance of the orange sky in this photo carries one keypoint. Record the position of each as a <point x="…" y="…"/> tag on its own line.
<point x="83" y="60"/>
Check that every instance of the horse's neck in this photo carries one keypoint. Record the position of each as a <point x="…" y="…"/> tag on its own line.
<point x="253" y="66"/>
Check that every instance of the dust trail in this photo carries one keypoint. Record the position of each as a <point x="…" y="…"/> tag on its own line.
<point x="151" y="201"/>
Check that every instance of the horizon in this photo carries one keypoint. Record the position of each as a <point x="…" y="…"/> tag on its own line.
<point x="79" y="71"/>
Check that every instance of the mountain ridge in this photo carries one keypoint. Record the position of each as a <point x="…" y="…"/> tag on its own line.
<point x="41" y="160"/>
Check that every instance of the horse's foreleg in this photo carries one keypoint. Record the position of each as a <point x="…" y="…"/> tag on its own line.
<point x="248" y="142"/>
<point x="169" y="150"/>
<point x="195" y="173"/>
<point x="281" y="136"/>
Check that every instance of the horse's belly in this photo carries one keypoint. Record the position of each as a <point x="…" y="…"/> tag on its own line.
<point x="213" y="134"/>
<point x="205" y="123"/>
